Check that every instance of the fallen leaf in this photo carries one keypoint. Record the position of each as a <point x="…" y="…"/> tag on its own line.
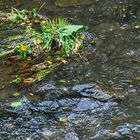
<point x="43" y="22"/>
<point x="50" y="62"/>
<point x="64" y="120"/>
<point x="137" y="78"/>
<point x="81" y="37"/>
<point x="131" y="86"/>
<point x="36" y="21"/>
<point x="29" y="80"/>
<point x="64" y="61"/>
<point x="23" y="23"/>
<point x="25" y="65"/>
<point x="38" y="41"/>
<point x="62" y="81"/>
<point x="31" y="94"/>
<point x="16" y="94"/>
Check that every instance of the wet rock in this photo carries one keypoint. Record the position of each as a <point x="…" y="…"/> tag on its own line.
<point x="66" y="3"/>
<point x="47" y="106"/>
<point x="71" y="136"/>
<point x="87" y="104"/>
<point x="47" y="133"/>
<point x="127" y="130"/>
<point x="105" y="134"/>
<point x="89" y="39"/>
<point x="46" y="87"/>
<point x="79" y="88"/>
<point x="107" y="27"/>
<point x="90" y="90"/>
<point x="95" y="92"/>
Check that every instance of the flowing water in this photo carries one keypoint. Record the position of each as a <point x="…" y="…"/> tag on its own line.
<point x="68" y="104"/>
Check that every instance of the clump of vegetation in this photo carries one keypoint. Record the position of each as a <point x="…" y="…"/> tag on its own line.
<point x="54" y="35"/>
<point x="42" y="46"/>
<point x="23" y="15"/>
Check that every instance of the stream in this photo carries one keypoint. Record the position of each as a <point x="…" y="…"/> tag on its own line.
<point x="75" y="102"/>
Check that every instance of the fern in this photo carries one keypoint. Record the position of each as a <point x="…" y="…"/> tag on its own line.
<point x="60" y="22"/>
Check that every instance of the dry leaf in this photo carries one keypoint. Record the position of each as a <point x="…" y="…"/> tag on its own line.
<point x="64" y="61"/>
<point x="50" y="62"/>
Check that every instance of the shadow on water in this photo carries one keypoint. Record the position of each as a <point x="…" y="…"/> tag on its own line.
<point x="87" y="111"/>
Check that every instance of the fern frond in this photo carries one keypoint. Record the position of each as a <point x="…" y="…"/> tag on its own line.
<point x="59" y="22"/>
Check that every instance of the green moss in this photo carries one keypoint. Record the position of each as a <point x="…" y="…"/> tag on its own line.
<point x="5" y="53"/>
<point x="42" y="73"/>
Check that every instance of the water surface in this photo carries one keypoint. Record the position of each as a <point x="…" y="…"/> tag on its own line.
<point x="113" y="65"/>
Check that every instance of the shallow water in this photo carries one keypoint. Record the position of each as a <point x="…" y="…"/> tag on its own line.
<point x="113" y="65"/>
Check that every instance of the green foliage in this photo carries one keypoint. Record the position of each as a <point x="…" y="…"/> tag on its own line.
<point x="34" y="12"/>
<point x="16" y="94"/>
<point x="62" y="35"/>
<point x="16" y="104"/>
<point x="74" y="29"/>
<point x="22" y="15"/>
<point x="55" y="35"/>
<point x="17" y="80"/>
<point x="60" y="22"/>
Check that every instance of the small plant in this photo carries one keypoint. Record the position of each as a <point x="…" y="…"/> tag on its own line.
<point x="24" y="49"/>
<point x="17" y="80"/>
<point x="60" y="34"/>
<point x="24" y="15"/>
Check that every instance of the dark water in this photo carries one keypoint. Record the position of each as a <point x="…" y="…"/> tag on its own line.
<point x="113" y="63"/>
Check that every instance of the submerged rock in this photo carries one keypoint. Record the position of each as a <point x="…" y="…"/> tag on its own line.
<point x="107" y="27"/>
<point x="66" y="3"/>
<point x="87" y="90"/>
<point x="47" y="133"/>
<point x="98" y="93"/>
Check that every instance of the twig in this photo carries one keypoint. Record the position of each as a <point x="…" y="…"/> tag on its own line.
<point x="41" y="6"/>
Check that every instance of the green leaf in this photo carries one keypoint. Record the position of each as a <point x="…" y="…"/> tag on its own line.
<point x="34" y="10"/>
<point x="17" y="80"/>
<point x="16" y="104"/>
<point x="16" y="94"/>
<point x="62" y="81"/>
<point x="63" y="120"/>
<point x="71" y="29"/>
